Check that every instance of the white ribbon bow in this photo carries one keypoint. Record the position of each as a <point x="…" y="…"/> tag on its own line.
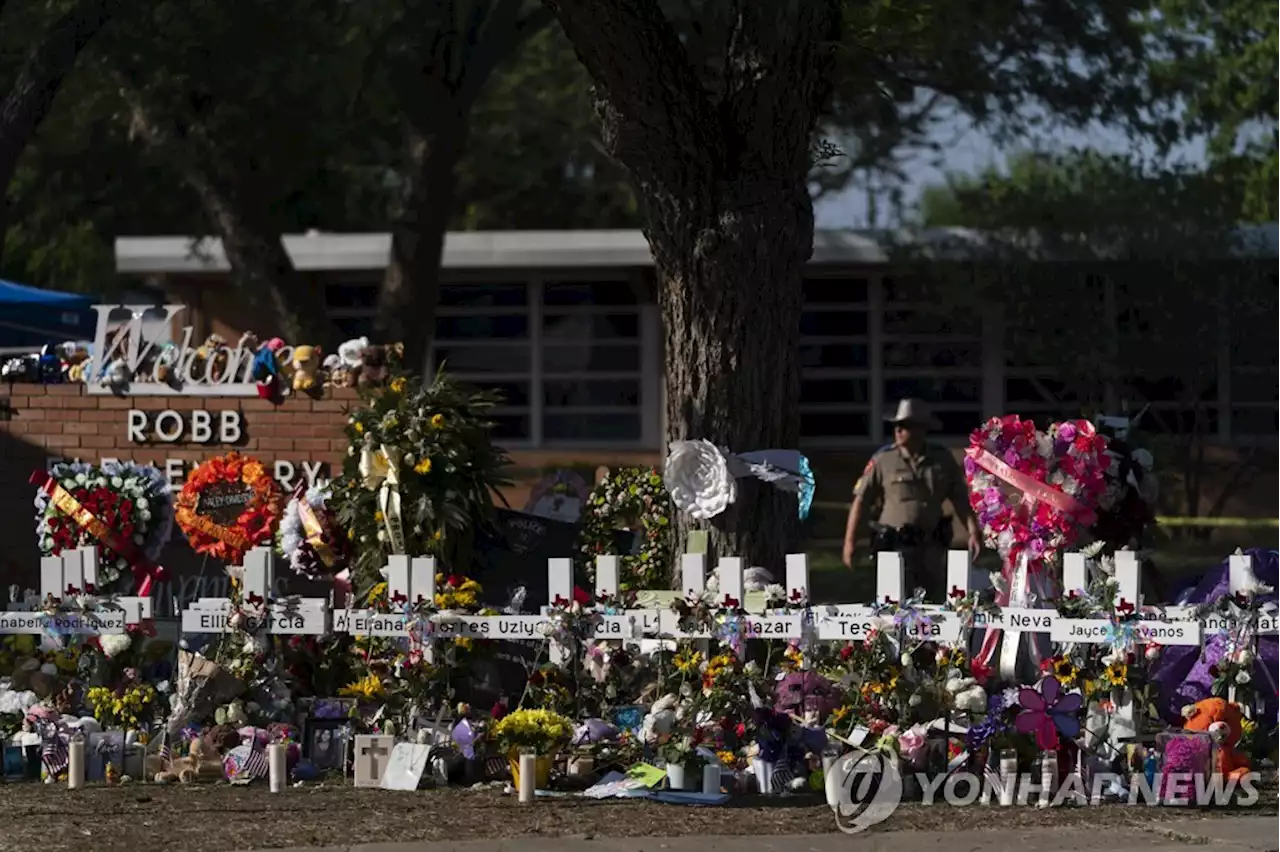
<point x="380" y="471"/>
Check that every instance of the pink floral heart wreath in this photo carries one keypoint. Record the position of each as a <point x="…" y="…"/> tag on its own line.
<point x="1059" y="474"/>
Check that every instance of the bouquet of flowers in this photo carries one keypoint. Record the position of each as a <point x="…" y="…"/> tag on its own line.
<point x="420" y="475"/>
<point x="125" y="509"/>
<point x="541" y="730"/>
<point x="308" y="534"/>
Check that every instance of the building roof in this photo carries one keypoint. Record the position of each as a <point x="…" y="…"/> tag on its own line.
<point x="317" y="251"/>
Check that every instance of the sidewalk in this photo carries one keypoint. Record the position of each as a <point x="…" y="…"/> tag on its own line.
<point x="1245" y="834"/>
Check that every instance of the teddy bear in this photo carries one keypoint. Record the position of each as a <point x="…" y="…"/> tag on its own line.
<point x="374" y="369"/>
<point x="196" y="766"/>
<point x="306" y="368"/>
<point x="1223" y="721"/>
<point x="212" y="357"/>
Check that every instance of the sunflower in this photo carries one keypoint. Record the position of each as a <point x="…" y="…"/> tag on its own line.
<point x="687" y="661"/>
<point x="1116" y="674"/>
<point x="718" y="664"/>
<point x="366" y="688"/>
<point x="727" y="759"/>
<point x="398" y="384"/>
<point x="437" y="421"/>
<point x="1065" y="671"/>
<point x="423" y="467"/>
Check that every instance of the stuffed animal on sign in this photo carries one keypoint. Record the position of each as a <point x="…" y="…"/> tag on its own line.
<point x="213" y="358"/>
<point x="306" y="368"/>
<point x="266" y="370"/>
<point x="80" y="372"/>
<point x="1223" y="721"/>
<point x="374" y="369"/>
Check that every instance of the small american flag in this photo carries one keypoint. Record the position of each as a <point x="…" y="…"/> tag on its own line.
<point x="245" y="762"/>
<point x="54" y="756"/>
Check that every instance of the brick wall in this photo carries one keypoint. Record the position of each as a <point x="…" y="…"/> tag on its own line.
<point x="62" y="421"/>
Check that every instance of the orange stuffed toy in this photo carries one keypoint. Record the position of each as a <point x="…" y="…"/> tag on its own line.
<point x="1221" y="720"/>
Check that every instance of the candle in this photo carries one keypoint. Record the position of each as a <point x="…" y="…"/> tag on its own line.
<point x="1048" y="778"/>
<point x="711" y="779"/>
<point x="75" y="763"/>
<point x="528" y="777"/>
<point x="277" y="765"/>
<point x="831" y="776"/>
<point x="1008" y="776"/>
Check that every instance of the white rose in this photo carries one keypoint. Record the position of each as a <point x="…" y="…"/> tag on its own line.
<point x="1243" y="677"/>
<point x="114" y="644"/>
<point x="698" y="479"/>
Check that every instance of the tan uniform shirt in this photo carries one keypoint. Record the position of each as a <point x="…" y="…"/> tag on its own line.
<point x="912" y="488"/>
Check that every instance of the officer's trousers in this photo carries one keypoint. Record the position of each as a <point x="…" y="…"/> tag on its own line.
<point x="926" y="568"/>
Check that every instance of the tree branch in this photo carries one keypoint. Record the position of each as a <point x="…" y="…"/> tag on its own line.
<point x="30" y="97"/>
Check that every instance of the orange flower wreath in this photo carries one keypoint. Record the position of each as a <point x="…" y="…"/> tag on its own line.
<point x="206" y="507"/>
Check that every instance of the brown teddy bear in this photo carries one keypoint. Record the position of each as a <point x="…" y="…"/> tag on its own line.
<point x="374" y="369"/>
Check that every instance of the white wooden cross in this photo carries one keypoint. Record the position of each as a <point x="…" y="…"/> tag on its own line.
<point x="71" y="574"/>
<point x="259" y="608"/>
<point x="410" y="581"/>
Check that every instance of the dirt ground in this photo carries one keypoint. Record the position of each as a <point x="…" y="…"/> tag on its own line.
<point x="224" y="818"/>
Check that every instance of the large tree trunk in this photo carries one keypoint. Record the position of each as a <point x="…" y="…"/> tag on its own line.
<point x="411" y="285"/>
<point x="720" y="171"/>
<point x="260" y="266"/>
<point x="31" y="96"/>
<point x="731" y="310"/>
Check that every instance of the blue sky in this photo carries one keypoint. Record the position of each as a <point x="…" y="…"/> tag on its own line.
<point x="969" y="150"/>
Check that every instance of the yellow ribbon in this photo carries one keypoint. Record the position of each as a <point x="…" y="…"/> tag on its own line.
<point x="315" y="532"/>
<point x="380" y="471"/>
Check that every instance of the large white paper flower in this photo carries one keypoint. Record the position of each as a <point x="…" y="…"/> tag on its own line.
<point x="697" y="477"/>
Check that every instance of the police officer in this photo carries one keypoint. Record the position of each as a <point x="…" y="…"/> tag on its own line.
<point x="901" y="492"/>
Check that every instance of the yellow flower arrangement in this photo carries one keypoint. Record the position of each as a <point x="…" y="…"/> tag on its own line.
<point x="793" y="659"/>
<point x="451" y="594"/>
<point x="839" y="714"/>
<point x="127" y="709"/>
<point x="377" y="594"/>
<point x="423" y="467"/>
<point x="687" y="662"/>
<point x="1116" y="674"/>
<point x="718" y="664"/>
<point x="367" y="688"/>
<point x="951" y="658"/>
<point x="437" y="421"/>
<point x="398" y="384"/>
<point x="727" y="759"/>
<point x="541" y="730"/>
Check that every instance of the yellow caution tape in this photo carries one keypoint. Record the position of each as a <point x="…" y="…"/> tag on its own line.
<point x="1218" y="522"/>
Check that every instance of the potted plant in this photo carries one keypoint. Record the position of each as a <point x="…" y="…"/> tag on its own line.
<point x="541" y="731"/>
<point x="684" y="764"/>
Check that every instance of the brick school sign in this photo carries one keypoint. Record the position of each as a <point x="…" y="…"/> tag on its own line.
<point x="299" y="440"/>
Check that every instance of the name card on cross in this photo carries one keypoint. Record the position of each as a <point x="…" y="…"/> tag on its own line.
<point x="63" y="624"/>
<point x="258" y="612"/>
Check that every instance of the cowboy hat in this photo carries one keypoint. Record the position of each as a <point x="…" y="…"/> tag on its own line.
<point x="916" y="411"/>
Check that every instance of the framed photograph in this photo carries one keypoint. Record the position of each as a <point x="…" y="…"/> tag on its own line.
<point x="102" y="748"/>
<point x="326" y="743"/>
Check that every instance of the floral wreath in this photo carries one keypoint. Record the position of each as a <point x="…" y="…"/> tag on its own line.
<point x="254" y="525"/>
<point x="125" y="508"/>
<point x="306" y="537"/>
<point x="628" y="495"/>
<point x="1061" y="475"/>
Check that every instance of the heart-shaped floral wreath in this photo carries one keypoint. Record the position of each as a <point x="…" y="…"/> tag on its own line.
<point x="1058" y="477"/>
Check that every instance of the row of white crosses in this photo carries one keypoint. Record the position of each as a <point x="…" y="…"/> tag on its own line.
<point x="68" y="577"/>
